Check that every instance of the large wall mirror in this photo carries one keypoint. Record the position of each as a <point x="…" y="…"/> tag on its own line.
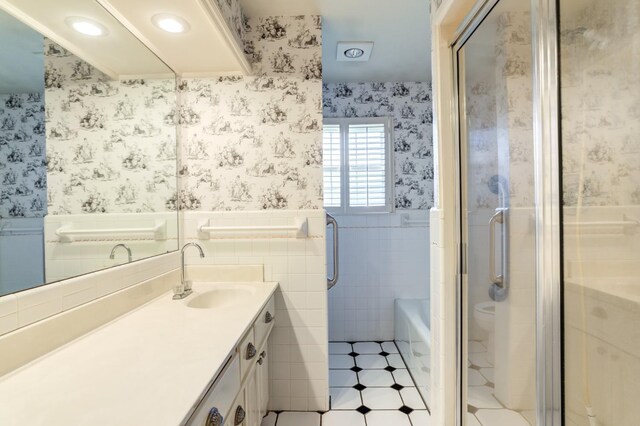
<point x="87" y="144"/>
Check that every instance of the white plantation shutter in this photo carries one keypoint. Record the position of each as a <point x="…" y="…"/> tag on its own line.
<point x="356" y="164"/>
<point x="367" y="165"/>
<point x="331" y="165"/>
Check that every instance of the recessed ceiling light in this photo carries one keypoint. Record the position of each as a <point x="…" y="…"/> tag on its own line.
<point x="170" y="23"/>
<point x="86" y="26"/>
<point x="354" y="51"/>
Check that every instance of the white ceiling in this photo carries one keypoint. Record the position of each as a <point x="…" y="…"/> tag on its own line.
<point x="400" y="30"/>
<point x="204" y="49"/>
<point x="118" y="54"/>
<point x="21" y="56"/>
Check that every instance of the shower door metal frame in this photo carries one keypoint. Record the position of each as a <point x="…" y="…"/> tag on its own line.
<point x="548" y="218"/>
<point x="548" y="208"/>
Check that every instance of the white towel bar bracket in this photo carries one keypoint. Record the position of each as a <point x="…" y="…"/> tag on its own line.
<point x="299" y="229"/>
<point x="67" y="233"/>
<point x="406" y="221"/>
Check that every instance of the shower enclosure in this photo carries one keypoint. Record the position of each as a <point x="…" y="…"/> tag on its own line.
<point x="548" y="119"/>
<point x="497" y="204"/>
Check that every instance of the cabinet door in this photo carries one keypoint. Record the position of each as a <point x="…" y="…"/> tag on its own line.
<point x="220" y="397"/>
<point x="262" y="373"/>
<point x="238" y="415"/>
<point x="253" y="402"/>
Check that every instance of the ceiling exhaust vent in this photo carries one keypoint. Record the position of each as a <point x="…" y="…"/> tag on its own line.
<point x="354" y="51"/>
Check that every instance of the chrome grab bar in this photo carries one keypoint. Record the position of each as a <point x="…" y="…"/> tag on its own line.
<point x="498" y="280"/>
<point x="336" y="263"/>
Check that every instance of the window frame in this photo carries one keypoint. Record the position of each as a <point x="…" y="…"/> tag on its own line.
<point x="345" y="208"/>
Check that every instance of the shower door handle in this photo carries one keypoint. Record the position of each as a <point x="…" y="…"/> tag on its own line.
<point x="498" y="217"/>
<point x="336" y="263"/>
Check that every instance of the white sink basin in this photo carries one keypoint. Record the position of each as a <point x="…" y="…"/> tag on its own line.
<point x="220" y="296"/>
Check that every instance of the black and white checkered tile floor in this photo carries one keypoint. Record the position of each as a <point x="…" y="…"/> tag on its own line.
<point x="369" y="386"/>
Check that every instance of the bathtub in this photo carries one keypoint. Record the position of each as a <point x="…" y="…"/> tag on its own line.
<point x="413" y="338"/>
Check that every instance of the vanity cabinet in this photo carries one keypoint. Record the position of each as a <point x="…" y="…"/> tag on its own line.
<point x="262" y="382"/>
<point x="240" y="394"/>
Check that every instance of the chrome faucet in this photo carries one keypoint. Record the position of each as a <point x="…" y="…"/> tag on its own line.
<point x="124" y="246"/>
<point x="184" y="288"/>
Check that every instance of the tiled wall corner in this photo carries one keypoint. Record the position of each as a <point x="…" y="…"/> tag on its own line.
<point x="380" y="260"/>
<point x="299" y="342"/>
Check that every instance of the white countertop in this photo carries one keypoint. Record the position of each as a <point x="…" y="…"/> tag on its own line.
<point x="148" y="367"/>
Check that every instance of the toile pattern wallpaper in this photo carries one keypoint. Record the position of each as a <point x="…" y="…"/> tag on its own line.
<point x="111" y="145"/>
<point x="233" y="14"/>
<point x="410" y="106"/>
<point x="500" y="119"/>
<point x="254" y="143"/>
<point x="600" y="105"/>
<point x="23" y="173"/>
<point x="515" y="108"/>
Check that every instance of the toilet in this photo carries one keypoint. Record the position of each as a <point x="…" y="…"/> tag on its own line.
<point x="484" y="314"/>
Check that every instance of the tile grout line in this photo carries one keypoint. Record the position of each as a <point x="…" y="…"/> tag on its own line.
<point x="387" y="372"/>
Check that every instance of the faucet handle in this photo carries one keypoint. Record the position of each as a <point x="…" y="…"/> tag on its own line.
<point x="178" y="291"/>
<point x="187" y="285"/>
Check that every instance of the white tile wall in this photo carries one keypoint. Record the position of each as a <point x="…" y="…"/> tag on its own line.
<point x="299" y="342"/>
<point x="21" y="255"/>
<point x="380" y="261"/>
<point x="63" y="260"/>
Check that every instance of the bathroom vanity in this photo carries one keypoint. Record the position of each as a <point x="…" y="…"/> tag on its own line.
<point x="202" y="360"/>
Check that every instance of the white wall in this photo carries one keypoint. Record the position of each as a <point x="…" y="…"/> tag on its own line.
<point x="21" y="254"/>
<point x="380" y="261"/>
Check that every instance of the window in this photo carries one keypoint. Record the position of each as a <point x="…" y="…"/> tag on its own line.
<point x="357" y="165"/>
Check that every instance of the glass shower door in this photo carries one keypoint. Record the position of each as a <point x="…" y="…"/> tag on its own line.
<point x="600" y="121"/>
<point x="494" y="69"/>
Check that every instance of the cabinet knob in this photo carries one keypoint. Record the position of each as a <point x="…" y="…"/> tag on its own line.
<point x="251" y="351"/>
<point x="214" y="418"/>
<point x="240" y="416"/>
<point x="268" y="317"/>
<point x="263" y="355"/>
